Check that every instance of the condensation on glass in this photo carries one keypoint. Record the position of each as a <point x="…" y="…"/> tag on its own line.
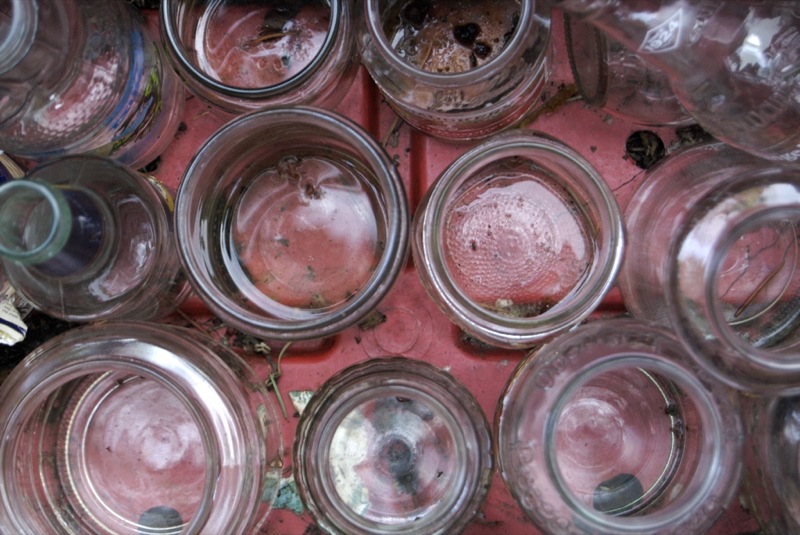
<point x="518" y="239"/>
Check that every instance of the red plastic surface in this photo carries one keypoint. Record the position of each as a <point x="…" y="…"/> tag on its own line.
<point x="414" y="326"/>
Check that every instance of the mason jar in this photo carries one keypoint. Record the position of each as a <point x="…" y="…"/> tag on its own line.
<point x="135" y="428"/>
<point x="610" y="428"/>
<point x="240" y="56"/>
<point x="714" y="255"/>
<point x="392" y="445"/>
<point x="461" y="73"/>
<point x="295" y="235"/>
<point x="518" y="239"/>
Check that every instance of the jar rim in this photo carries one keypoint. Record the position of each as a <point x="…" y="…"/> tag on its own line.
<point x="494" y="327"/>
<point x="173" y="40"/>
<point x="318" y="324"/>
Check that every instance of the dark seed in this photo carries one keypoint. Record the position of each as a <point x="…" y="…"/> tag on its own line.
<point x="466" y="34"/>
<point x="482" y="50"/>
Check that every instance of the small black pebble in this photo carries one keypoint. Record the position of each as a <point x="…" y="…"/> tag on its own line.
<point x="466" y="34"/>
<point x="482" y="50"/>
<point x="618" y="494"/>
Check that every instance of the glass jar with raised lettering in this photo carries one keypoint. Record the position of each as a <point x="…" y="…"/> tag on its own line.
<point x="392" y="445"/>
<point x="457" y="73"/>
<point x="240" y="56"/>
<point x="610" y="428"/>
<point x="292" y="223"/>
<point x="716" y="255"/>
<point x="518" y="239"/>
<point x="134" y="428"/>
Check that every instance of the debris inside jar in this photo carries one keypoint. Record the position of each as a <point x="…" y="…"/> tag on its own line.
<point x="434" y="37"/>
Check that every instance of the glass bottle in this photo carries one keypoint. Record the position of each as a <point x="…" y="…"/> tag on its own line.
<point x="460" y="73"/>
<point x="84" y="238"/>
<point x="611" y="77"/>
<point x="134" y="428"/>
<point x="392" y="445"/>
<point x="83" y="76"/>
<point x="296" y="236"/>
<point x="518" y="239"/>
<point x="733" y="64"/>
<point x="240" y="56"/>
<point x="714" y="254"/>
<point x="771" y="482"/>
<point x="610" y="428"/>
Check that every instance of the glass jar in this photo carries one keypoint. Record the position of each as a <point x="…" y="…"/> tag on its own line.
<point x="240" y="56"/>
<point x="611" y="429"/>
<point x="457" y="73"/>
<point x="85" y="238"/>
<point x="134" y="428"/>
<point x="83" y="76"/>
<point x="296" y="234"/>
<point x="518" y="239"/>
<point x="392" y="445"/>
<point x="716" y="259"/>
<point x="732" y="65"/>
<point x="612" y="77"/>
<point x="771" y="483"/>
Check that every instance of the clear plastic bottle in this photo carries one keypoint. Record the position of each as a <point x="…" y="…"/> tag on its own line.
<point x="85" y="238"/>
<point x="133" y="428"/>
<point x="733" y="65"/>
<point x="713" y="234"/>
<point x="83" y="76"/>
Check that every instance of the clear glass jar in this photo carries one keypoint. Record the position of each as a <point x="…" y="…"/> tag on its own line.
<point x="771" y="482"/>
<point x="134" y="428"/>
<point x="610" y="429"/>
<point x="392" y="445"/>
<point x="733" y="65"/>
<point x="612" y="77"/>
<point x="518" y="239"/>
<point x="83" y="76"/>
<point x="85" y="238"/>
<point x="240" y="56"/>
<point x="457" y="73"/>
<point x="717" y="261"/>
<point x="295" y="235"/>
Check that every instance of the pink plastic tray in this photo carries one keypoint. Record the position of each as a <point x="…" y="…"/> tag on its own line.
<point x="414" y="326"/>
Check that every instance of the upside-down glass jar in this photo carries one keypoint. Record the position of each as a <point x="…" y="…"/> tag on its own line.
<point x="240" y="56"/>
<point x="460" y="73"/>
<point x="292" y="223"/>
<point x="392" y="445"/>
<point x="611" y="429"/>
<point x="716" y="258"/>
<point x="612" y="77"/>
<point x="518" y="239"/>
<point x="771" y="482"/>
<point x="134" y="428"/>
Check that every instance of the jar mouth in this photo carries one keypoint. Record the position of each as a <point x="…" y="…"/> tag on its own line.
<point x="173" y="10"/>
<point x="527" y="19"/>
<point x="518" y="239"/>
<point x="296" y="239"/>
<point x="21" y="201"/>
<point x="395" y="444"/>
<point x="138" y="432"/>
<point x="609" y="431"/>
<point x="18" y="22"/>
<point x="746" y="273"/>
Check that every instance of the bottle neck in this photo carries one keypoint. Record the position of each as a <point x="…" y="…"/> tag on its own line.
<point x="59" y="230"/>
